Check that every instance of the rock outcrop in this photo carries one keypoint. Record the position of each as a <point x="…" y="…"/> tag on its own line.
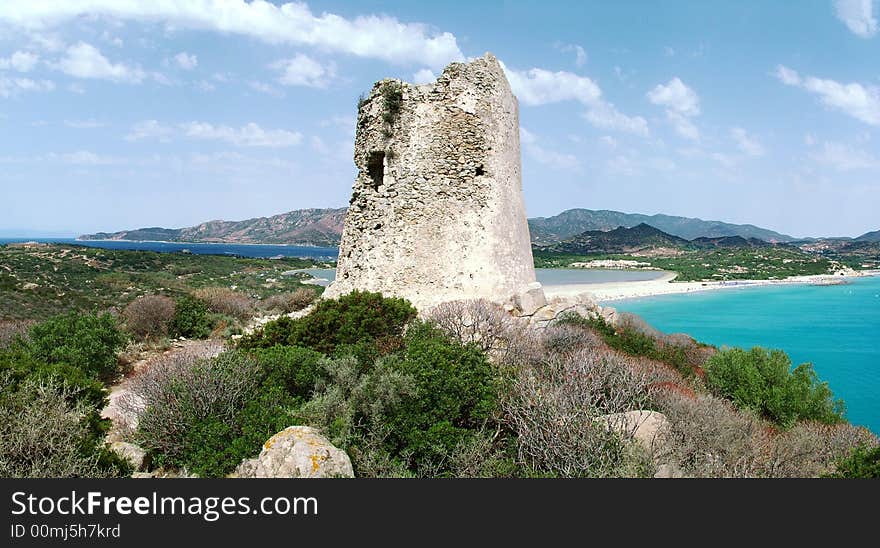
<point x="135" y="455"/>
<point x="437" y="211"/>
<point x="297" y="452"/>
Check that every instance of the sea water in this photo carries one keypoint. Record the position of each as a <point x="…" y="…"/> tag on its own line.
<point x="835" y="327"/>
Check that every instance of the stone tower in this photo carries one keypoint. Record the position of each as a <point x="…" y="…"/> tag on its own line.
<point x="437" y="211"/>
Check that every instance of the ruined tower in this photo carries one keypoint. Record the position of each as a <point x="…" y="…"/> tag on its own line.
<point x="437" y="211"/>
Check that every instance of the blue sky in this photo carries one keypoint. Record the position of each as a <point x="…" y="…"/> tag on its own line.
<point x="120" y="114"/>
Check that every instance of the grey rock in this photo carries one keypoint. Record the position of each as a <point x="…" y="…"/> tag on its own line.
<point x="297" y="452"/>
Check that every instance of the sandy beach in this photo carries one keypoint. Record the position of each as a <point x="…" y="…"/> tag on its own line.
<point x="614" y="291"/>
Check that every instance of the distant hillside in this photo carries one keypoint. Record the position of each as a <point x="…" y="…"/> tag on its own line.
<point x="319" y="227"/>
<point x="869" y="237"/>
<point x="644" y="239"/>
<point x="548" y="230"/>
<point x="323" y="227"/>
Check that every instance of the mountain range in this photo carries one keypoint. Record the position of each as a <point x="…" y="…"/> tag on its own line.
<point x="644" y="238"/>
<point x="323" y="227"/>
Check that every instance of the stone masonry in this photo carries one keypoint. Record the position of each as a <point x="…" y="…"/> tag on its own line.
<point x="437" y="211"/>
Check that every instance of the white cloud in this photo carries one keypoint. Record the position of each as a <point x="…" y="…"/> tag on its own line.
<point x="860" y="102"/>
<point x="424" y="76"/>
<point x="809" y="139"/>
<point x="539" y="87"/>
<point x="605" y="116"/>
<point x="21" y="61"/>
<point x="681" y="103"/>
<point x="84" y="124"/>
<point x="249" y="135"/>
<point x="10" y="87"/>
<point x="668" y="51"/>
<point x="676" y="96"/>
<point x="683" y="125"/>
<point x="85" y="61"/>
<point x="302" y="70"/>
<point x="580" y="56"/>
<point x="608" y="141"/>
<point x="746" y="144"/>
<point x="372" y="36"/>
<point x="858" y="15"/>
<point x="265" y="88"/>
<point x="186" y="61"/>
<point x="550" y="158"/>
<point x="150" y="129"/>
<point x="844" y="157"/>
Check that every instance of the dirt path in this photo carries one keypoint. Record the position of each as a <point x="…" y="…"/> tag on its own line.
<point x="201" y="349"/>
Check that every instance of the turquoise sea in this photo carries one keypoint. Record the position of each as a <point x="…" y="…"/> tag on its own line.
<point x="837" y="328"/>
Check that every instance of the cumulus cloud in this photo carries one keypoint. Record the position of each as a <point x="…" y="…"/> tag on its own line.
<point x="186" y="61"/>
<point x="604" y="115"/>
<point x="844" y="157"/>
<point x="681" y="104"/>
<point x="424" y="76"/>
<point x="538" y="86"/>
<point x="746" y="144"/>
<point x="861" y="102"/>
<point x="858" y="16"/>
<point x="83" y="60"/>
<point x="249" y="135"/>
<point x="302" y="70"/>
<point x="676" y="96"/>
<point x="10" y="87"/>
<point x="372" y="36"/>
<point x="21" y="61"/>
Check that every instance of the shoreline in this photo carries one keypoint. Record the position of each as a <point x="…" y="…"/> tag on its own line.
<point x="618" y="291"/>
<point x="191" y="243"/>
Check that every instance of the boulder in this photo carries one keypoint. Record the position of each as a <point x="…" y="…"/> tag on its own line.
<point x="135" y="455"/>
<point x="297" y="452"/>
<point x="531" y="300"/>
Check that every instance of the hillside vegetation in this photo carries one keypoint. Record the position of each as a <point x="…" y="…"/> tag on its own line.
<point x="39" y="281"/>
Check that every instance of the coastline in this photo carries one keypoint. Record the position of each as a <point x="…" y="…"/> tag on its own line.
<point x="617" y="291"/>
<point x="199" y="243"/>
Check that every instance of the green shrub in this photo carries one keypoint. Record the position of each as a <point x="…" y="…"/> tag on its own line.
<point x="863" y="462"/>
<point x="455" y="393"/>
<point x="190" y="319"/>
<point x="765" y="382"/>
<point x="294" y="369"/>
<point x="207" y="415"/>
<point x="86" y="342"/>
<point x="352" y="318"/>
<point x="46" y="432"/>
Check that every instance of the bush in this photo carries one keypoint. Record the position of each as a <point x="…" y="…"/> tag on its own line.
<point x="862" y="462"/>
<point x="455" y="393"/>
<point x="294" y="369"/>
<point x="764" y="381"/>
<point x="12" y="331"/>
<point x="190" y="319"/>
<point x="291" y="301"/>
<point x="553" y="407"/>
<point x="209" y="414"/>
<point x="226" y="301"/>
<point x="149" y="316"/>
<point x="478" y="322"/>
<point x="421" y="411"/>
<point x="632" y="335"/>
<point x="710" y="437"/>
<point x="83" y="341"/>
<point x="352" y="318"/>
<point x="46" y="433"/>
